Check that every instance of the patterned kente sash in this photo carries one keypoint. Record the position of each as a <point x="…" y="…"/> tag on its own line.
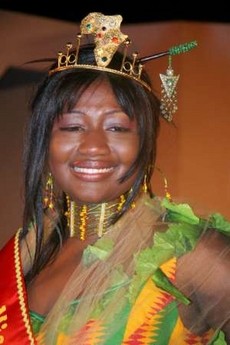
<point x="15" y="328"/>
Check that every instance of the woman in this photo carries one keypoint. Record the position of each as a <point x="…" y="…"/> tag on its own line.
<point x="100" y="259"/>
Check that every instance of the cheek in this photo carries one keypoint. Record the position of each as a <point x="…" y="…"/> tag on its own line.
<point x="58" y="159"/>
<point x="59" y="152"/>
<point x="129" y="151"/>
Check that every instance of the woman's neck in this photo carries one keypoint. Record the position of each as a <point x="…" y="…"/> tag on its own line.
<point x="90" y="219"/>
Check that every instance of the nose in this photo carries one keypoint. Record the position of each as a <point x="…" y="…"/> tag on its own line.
<point x="94" y="142"/>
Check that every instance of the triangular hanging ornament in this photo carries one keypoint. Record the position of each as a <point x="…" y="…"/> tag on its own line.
<point x="169" y="81"/>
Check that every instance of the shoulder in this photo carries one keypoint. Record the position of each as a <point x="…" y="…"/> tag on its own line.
<point x="204" y="275"/>
<point x="210" y="258"/>
<point x="211" y="254"/>
<point x="213" y="244"/>
<point x="208" y="264"/>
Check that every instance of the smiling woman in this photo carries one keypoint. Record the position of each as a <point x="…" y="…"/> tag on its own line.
<point x="100" y="259"/>
<point x="93" y="146"/>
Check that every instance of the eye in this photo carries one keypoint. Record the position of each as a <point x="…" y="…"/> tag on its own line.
<point x="72" y="128"/>
<point x="118" y="129"/>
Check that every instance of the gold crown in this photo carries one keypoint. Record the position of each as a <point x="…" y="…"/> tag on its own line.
<point x="108" y="38"/>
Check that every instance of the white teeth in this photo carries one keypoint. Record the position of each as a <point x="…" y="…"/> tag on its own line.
<point x="92" y="170"/>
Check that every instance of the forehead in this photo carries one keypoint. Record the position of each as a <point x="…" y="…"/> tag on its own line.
<point x="99" y="92"/>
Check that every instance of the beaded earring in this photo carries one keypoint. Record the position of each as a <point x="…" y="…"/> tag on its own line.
<point x="167" y="193"/>
<point x="121" y="203"/>
<point x="48" y="200"/>
<point x="145" y="185"/>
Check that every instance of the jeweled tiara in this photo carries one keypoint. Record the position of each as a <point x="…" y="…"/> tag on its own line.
<point x="108" y="38"/>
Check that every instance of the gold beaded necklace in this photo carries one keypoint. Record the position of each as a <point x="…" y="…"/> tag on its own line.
<point x="85" y="220"/>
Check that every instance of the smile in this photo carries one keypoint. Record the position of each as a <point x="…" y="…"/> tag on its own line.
<point x="92" y="171"/>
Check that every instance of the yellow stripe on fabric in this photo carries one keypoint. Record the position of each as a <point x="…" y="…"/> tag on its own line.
<point x="178" y="335"/>
<point x="62" y="339"/>
<point x="145" y="315"/>
<point x="182" y="336"/>
<point x="169" y="268"/>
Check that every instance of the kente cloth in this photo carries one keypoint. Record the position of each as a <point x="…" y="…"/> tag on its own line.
<point x="146" y="313"/>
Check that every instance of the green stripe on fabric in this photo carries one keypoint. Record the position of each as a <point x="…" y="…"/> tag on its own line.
<point x="166" y="325"/>
<point x="118" y="334"/>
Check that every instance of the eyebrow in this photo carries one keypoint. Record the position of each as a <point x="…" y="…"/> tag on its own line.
<point x="108" y="112"/>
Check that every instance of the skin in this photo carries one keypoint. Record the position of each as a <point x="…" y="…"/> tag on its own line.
<point x="90" y="149"/>
<point x="203" y="276"/>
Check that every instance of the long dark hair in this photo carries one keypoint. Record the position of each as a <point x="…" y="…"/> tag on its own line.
<point x="56" y="94"/>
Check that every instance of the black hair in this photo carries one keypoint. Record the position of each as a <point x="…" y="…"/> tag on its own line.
<point x="58" y="93"/>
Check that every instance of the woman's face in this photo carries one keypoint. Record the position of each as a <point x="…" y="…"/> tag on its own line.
<point x="93" y="146"/>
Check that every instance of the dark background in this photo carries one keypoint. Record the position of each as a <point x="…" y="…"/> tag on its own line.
<point x="132" y="11"/>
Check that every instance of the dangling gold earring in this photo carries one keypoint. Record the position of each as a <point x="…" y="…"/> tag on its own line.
<point x="167" y="194"/>
<point x="169" y="93"/>
<point x="145" y="185"/>
<point x="133" y="204"/>
<point x="67" y="213"/>
<point x="48" y="200"/>
<point x="121" y="203"/>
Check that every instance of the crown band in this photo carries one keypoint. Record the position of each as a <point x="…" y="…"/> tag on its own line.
<point x="103" y="69"/>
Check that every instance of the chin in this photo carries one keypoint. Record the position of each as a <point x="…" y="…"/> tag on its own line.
<point x="94" y="199"/>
